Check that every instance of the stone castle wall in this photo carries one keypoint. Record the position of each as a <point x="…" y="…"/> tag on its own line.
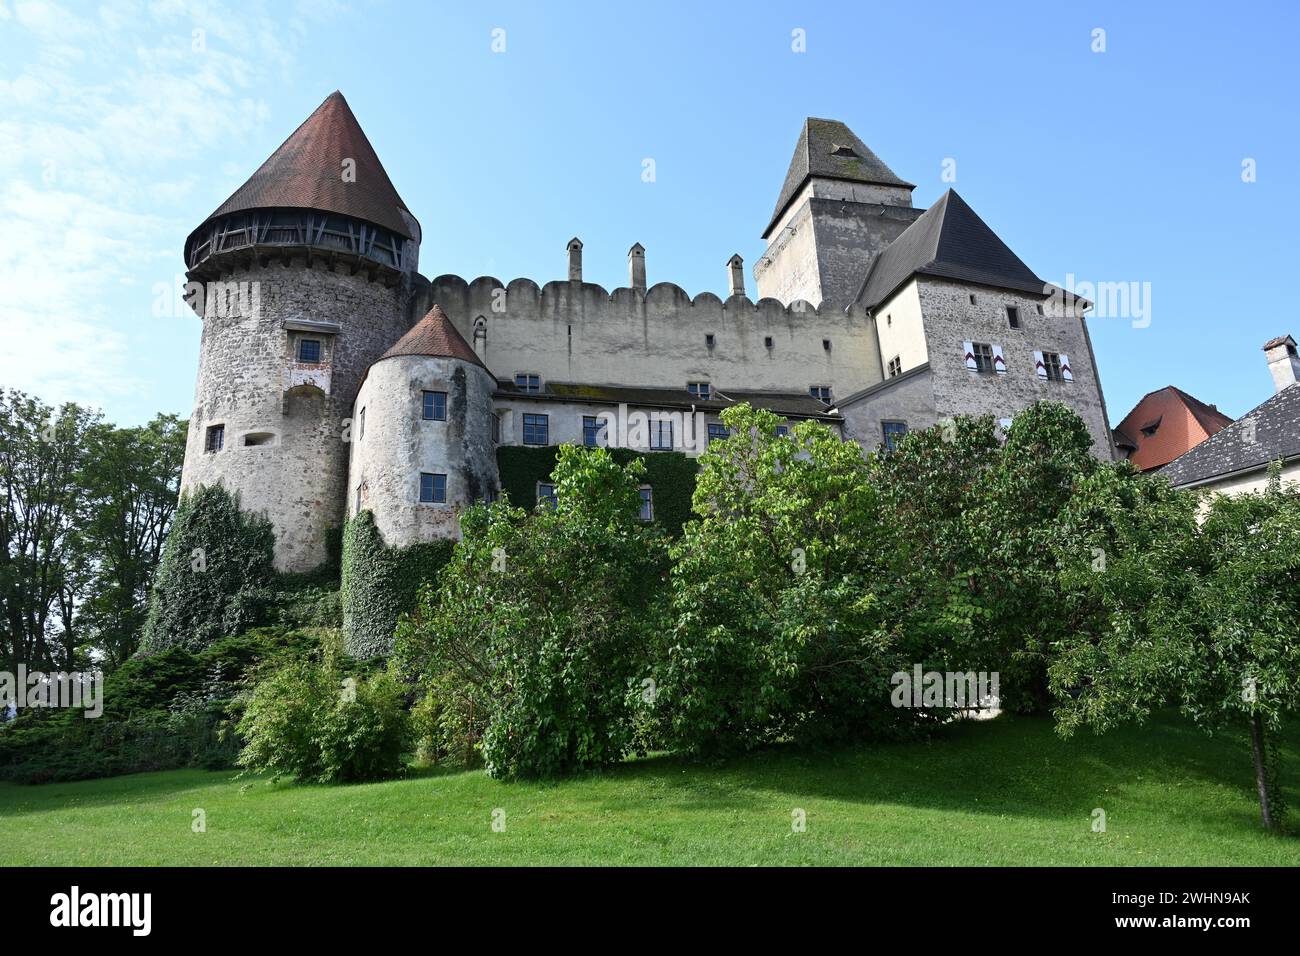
<point x="249" y="383"/>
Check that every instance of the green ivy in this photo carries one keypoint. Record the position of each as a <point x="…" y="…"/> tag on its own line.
<point x="670" y="474"/>
<point x="214" y="574"/>
<point x="381" y="583"/>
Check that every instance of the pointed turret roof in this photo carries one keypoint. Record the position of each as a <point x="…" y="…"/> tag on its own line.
<point x="828" y="149"/>
<point x="434" y="335"/>
<point x="307" y="172"/>
<point x="948" y="240"/>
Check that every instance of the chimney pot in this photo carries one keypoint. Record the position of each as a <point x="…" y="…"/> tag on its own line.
<point x="575" y="259"/>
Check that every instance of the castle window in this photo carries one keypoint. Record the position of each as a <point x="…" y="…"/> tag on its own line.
<point x="361" y="425"/>
<point x="767" y="342"/>
<point x="820" y="392"/>
<point x="718" y="431"/>
<point x="527" y="382"/>
<point x="537" y="429"/>
<point x="826" y="344"/>
<point x="215" y="438"/>
<point x="1040" y="309"/>
<point x="591" y="430"/>
<point x="546" y="494"/>
<point x="782" y="431"/>
<point x="433" y="488"/>
<point x="435" y="406"/>
<point x="1052" y="363"/>
<point x="647" y="503"/>
<point x="709" y="340"/>
<point x="895" y="366"/>
<point x="982" y="353"/>
<point x="1013" y="317"/>
<point x="494" y="424"/>
<point x="661" y="435"/>
<point x="309" y="351"/>
<point x="893" y="433"/>
<point x="972" y="298"/>
<point x="700" y="390"/>
<point x="254" y="439"/>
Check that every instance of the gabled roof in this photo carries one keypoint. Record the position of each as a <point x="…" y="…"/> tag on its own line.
<point x="1274" y="426"/>
<point x="1179" y="422"/>
<point x="434" y="335"/>
<point x="307" y="172"/>
<point x="830" y="150"/>
<point x="950" y="241"/>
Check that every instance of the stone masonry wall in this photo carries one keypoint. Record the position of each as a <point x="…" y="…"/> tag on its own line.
<point x="297" y="475"/>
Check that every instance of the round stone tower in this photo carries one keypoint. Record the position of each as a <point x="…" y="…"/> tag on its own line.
<point x="302" y="278"/>
<point x="423" y="442"/>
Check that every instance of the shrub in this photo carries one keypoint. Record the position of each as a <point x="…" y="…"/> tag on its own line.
<point x="309" y="720"/>
<point x="212" y="579"/>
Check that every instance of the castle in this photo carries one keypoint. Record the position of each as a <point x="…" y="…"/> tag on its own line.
<point x="335" y="378"/>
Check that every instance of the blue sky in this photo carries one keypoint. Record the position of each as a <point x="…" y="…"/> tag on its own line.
<point x="117" y="137"/>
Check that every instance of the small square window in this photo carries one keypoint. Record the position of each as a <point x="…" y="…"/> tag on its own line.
<point x="546" y="494"/>
<point x="593" y="431"/>
<point x="972" y="298"/>
<point x="709" y="340"/>
<point x="435" y="406"/>
<point x="826" y="344"/>
<point x="895" y="366"/>
<point x="1040" y="309"/>
<point x="893" y="433"/>
<point x="215" y="439"/>
<point x="782" y="431"/>
<point x="537" y="429"/>
<point x="433" y="488"/>
<point x="527" y="382"/>
<point x="820" y="392"/>
<point x="718" y="431"/>
<point x="767" y="342"/>
<point x="661" y="435"/>
<point x="700" y="390"/>
<point x="309" y="351"/>
<point x="1013" y="317"/>
<point x="647" y="503"/>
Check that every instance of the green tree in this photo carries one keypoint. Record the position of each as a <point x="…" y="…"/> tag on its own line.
<point x="1166" y="610"/>
<point x="545" y="620"/>
<point x="779" y="628"/>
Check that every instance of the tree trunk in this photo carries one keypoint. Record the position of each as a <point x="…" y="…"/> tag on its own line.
<point x="1261" y="768"/>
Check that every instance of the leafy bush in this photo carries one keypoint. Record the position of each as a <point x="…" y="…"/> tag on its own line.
<point x="311" y="721"/>
<point x="213" y="577"/>
<point x="546" y="619"/>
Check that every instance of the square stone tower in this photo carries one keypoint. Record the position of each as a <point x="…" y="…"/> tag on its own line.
<point x="839" y="207"/>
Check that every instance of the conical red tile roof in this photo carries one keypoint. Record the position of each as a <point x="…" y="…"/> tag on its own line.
<point x="306" y="172"/>
<point x="434" y="335"/>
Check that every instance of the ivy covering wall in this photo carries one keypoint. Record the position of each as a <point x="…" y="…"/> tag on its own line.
<point x="380" y="584"/>
<point x="670" y="475"/>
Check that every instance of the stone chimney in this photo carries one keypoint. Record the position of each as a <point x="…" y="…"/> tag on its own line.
<point x="736" y="275"/>
<point x="1283" y="362"/>
<point x="575" y="259"/>
<point x="636" y="267"/>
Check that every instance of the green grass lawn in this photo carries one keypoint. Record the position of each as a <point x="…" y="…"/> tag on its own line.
<point x="1000" y="792"/>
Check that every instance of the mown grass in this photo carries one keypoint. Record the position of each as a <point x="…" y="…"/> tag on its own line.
<point x="1002" y="792"/>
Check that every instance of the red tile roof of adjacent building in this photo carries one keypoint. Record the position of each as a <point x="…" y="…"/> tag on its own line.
<point x="307" y="172"/>
<point x="1178" y="423"/>
<point x="434" y="335"/>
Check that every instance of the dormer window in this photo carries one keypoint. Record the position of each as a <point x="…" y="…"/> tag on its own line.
<point x="310" y="351"/>
<point x="847" y="152"/>
<point x="699" y="390"/>
<point x="528" y="382"/>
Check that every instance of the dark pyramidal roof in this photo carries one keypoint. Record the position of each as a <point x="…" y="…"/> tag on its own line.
<point x="830" y="150"/>
<point x="434" y="335"/>
<point x="1275" y="427"/>
<point x="948" y="240"/>
<point x="306" y="172"/>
